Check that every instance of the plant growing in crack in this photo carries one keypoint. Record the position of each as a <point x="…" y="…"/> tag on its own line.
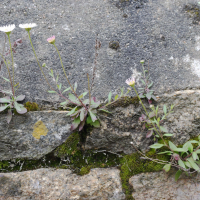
<point x="10" y="101"/>
<point x="145" y="91"/>
<point x="184" y="158"/>
<point x="81" y="110"/>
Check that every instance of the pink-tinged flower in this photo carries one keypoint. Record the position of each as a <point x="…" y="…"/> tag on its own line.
<point x="51" y="40"/>
<point x="131" y="81"/>
<point x="176" y="156"/>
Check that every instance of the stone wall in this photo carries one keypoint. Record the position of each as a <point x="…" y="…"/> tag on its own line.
<point x="164" y="33"/>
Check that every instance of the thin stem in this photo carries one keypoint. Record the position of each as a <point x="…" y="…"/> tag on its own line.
<point x="89" y="89"/>
<point x="67" y="77"/>
<point x="13" y="70"/>
<point x="38" y="60"/>
<point x="9" y="74"/>
<point x="191" y="153"/>
<point x="60" y="94"/>
<point x="141" y="101"/>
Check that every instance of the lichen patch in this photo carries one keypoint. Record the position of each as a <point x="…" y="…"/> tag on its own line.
<point x="39" y="129"/>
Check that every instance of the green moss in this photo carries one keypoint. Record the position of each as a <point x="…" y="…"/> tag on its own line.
<point x="132" y="165"/>
<point x="31" y="106"/>
<point x="3" y="164"/>
<point x="194" y="12"/>
<point x="125" y="101"/>
<point x="70" y="156"/>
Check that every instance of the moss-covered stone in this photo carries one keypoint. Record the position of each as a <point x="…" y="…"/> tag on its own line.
<point x="125" y="101"/>
<point x="31" y="106"/>
<point x="71" y="156"/>
<point x="194" y="12"/>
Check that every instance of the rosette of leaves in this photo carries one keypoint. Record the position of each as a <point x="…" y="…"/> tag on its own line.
<point x="12" y="103"/>
<point x="82" y="115"/>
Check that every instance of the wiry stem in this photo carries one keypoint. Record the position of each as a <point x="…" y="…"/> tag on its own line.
<point x="9" y="74"/>
<point x="89" y="89"/>
<point x="67" y="77"/>
<point x="60" y="94"/>
<point x="13" y="70"/>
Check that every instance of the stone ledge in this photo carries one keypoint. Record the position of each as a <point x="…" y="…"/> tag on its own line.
<point x="51" y="184"/>
<point x="162" y="186"/>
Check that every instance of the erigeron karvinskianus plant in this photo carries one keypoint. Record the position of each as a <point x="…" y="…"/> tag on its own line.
<point x="145" y="91"/>
<point x="10" y="101"/>
<point x="82" y="111"/>
<point x="184" y="158"/>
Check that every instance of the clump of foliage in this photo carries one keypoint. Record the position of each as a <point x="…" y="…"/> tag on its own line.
<point x="184" y="158"/>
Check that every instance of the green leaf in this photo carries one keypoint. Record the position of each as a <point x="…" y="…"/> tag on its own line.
<point x="17" y="106"/>
<point x="179" y="150"/>
<point x="156" y="111"/>
<point x="188" y="146"/>
<point x="57" y="78"/>
<point x="72" y="97"/>
<point x="172" y="146"/>
<point x="116" y="97"/>
<point x="165" y="109"/>
<point x="51" y="91"/>
<point x="5" y="100"/>
<point x="156" y="146"/>
<point x="64" y="103"/>
<point x="163" y="129"/>
<point x="72" y="111"/>
<point x="93" y="117"/>
<point x="193" y="141"/>
<point x="167" y="167"/>
<point x="181" y="163"/>
<point x="96" y="124"/>
<point x="188" y="164"/>
<point x="197" y="151"/>
<point x="122" y="91"/>
<point x="177" y="175"/>
<point x="89" y="120"/>
<point x="69" y="88"/>
<point x="165" y="152"/>
<point x="148" y="95"/>
<point x="193" y="164"/>
<point x="2" y="108"/>
<point x="59" y="86"/>
<point x="82" y="95"/>
<point x="152" y="114"/>
<point x="82" y="114"/>
<point x="194" y="155"/>
<point x="150" y="84"/>
<point x="109" y="97"/>
<point x="75" y="86"/>
<point x="104" y="110"/>
<point x="6" y="79"/>
<point x="168" y="134"/>
<point x="75" y="123"/>
<point x="86" y="101"/>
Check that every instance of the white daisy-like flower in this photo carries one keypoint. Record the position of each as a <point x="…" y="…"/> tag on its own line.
<point x="7" y="29"/>
<point x="28" y="27"/>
